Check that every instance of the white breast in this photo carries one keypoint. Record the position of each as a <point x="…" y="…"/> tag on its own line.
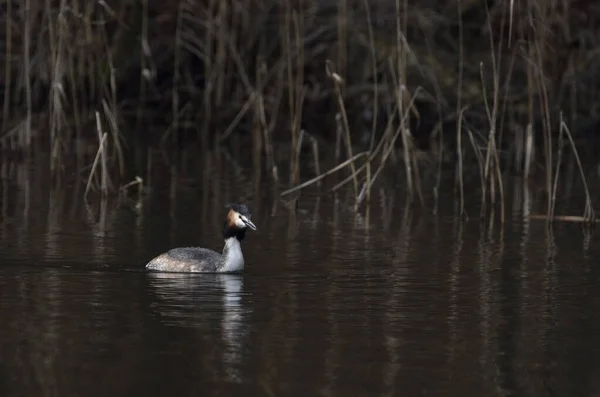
<point x="234" y="260"/>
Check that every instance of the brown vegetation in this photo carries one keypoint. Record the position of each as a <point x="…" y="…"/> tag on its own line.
<point x="482" y="80"/>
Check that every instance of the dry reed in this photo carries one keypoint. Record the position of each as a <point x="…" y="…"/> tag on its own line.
<point x="67" y="59"/>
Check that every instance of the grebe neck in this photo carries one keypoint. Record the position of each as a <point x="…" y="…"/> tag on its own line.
<point x="233" y="259"/>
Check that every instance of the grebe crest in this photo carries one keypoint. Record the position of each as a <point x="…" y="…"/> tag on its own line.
<point x="204" y="260"/>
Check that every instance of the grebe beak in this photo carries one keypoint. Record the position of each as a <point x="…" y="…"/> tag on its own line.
<point x="249" y="223"/>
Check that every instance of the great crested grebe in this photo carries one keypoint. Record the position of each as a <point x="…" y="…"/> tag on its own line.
<point x="203" y="260"/>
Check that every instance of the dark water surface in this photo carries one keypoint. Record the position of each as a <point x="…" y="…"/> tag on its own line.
<point x="403" y="303"/>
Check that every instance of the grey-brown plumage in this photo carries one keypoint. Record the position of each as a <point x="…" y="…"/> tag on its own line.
<point x="196" y="259"/>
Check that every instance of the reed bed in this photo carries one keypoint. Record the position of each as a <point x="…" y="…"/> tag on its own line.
<point x="494" y="87"/>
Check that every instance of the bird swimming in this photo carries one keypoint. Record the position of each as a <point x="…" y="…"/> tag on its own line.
<point x="204" y="260"/>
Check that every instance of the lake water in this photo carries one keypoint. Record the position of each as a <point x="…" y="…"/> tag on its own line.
<point x="402" y="302"/>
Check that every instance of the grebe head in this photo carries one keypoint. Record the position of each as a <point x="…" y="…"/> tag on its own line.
<point x="237" y="221"/>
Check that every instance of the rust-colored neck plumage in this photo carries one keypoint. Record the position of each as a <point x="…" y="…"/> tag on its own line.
<point x="230" y="229"/>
